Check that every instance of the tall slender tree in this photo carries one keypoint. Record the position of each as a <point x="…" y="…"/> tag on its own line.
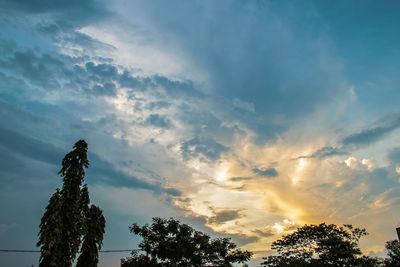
<point x="68" y="216"/>
<point x="50" y="234"/>
<point x="93" y="238"/>
<point x="73" y="174"/>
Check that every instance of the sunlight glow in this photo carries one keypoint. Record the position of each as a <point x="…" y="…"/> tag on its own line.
<point x="221" y="175"/>
<point x="369" y="163"/>
<point x="278" y="227"/>
<point x="351" y="162"/>
<point x="302" y="164"/>
<point x="339" y="184"/>
<point x="295" y="180"/>
<point x="300" y="167"/>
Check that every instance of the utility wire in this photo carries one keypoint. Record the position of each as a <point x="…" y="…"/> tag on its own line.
<point x="21" y="250"/>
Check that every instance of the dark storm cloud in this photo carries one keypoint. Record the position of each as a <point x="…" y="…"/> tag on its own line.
<point x="207" y="147"/>
<point x="270" y="172"/>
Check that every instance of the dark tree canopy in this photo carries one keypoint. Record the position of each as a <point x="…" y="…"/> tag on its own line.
<point x="321" y="245"/>
<point x="68" y="217"/>
<point x="171" y="243"/>
<point x="50" y="234"/>
<point x="93" y="237"/>
<point x="393" y="251"/>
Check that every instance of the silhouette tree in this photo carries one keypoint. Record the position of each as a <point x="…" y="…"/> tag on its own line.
<point x="321" y="245"/>
<point x="68" y="216"/>
<point x="93" y="238"/>
<point x="393" y="251"/>
<point x="50" y="234"/>
<point x="171" y="243"/>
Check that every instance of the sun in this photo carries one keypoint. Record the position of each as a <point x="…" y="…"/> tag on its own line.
<point x="221" y="175"/>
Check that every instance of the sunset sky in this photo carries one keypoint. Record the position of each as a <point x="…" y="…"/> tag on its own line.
<point x="243" y="119"/>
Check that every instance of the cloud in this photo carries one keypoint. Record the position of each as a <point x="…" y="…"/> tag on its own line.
<point x="224" y="216"/>
<point x="250" y="95"/>
<point x="40" y="70"/>
<point x="177" y="88"/>
<point x="158" y="121"/>
<point x="394" y="156"/>
<point x="28" y="147"/>
<point x="387" y="199"/>
<point x="202" y="146"/>
<point x="258" y="66"/>
<point x="104" y="89"/>
<point x="127" y="80"/>
<point x="238" y="179"/>
<point x="47" y="5"/>
<point x="263" y="233"/>
<point x="270" y="172"/>
<point x="158" y="105"/>
<point x="97" y="76"/>
<point x="326" y="152"/>
<point x="371" y="135"/>
<point x="102" y="71"/>
<point x="101" y="171"/>
<point x="243" y="105"/>
<point x="104" y="173"/>
<point x="73" y="13"/>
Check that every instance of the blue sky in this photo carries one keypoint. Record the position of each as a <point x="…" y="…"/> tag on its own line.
<point x="241" y="118"/>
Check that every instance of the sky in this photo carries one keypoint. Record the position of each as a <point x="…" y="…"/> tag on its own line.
<point x="244" y="119"/>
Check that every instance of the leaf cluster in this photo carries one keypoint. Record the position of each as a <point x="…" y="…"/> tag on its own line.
<point x="319" y="245"/>
<point x="167" y="242"/>
<point x="393" y="251"/>
<point x="69" y="219"/>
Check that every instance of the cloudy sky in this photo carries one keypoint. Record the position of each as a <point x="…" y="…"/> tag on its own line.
<point x="242" y="118"/>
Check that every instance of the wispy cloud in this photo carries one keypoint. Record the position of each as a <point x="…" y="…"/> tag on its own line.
<point x="270" y="172"/>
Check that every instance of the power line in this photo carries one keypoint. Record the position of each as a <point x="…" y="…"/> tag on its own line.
<point x="103" y="251"/>
<point x="18" y="250"/>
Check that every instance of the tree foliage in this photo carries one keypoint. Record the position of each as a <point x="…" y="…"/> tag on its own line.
<point x="167" y="242"/>
<point x="50" y="234"/>
<point x="393" y="251"/>
<point x="68" y="217"/>
<point x="320" y="245"/>
<point x="93" y="237"/>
